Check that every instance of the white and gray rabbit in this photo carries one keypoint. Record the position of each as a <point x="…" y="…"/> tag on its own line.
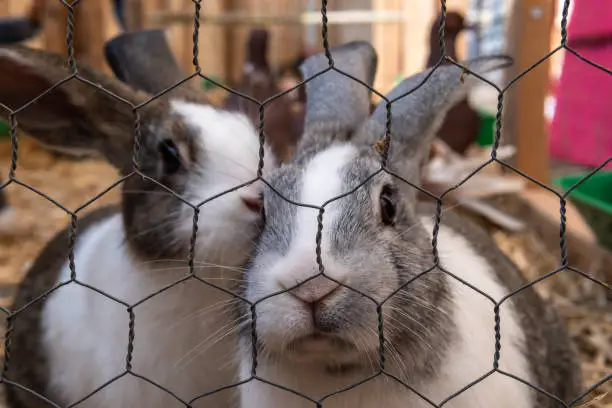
<point x="71" y="344"/>
<point x="322" y="336"/>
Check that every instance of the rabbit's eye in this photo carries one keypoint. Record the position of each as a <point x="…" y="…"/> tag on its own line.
<point x="170" y="155"/>
<point x="387" y="206"/>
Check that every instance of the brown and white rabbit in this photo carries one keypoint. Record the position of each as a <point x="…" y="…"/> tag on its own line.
<point x="68" y="343"/>
<point x="322" y="337"/>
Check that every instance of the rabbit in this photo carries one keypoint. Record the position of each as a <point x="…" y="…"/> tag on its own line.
<point x="144" y="60"/>
<point x="462" y="123"/>
<point x="282" y="125"/>
<point x="289" y="76"/>
<point x="454" y="24"/>
<point x="70" y="344"/>
<point x="316" y="335"/>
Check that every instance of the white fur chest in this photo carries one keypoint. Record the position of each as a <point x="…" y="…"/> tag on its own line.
<point x="183" y="338"/>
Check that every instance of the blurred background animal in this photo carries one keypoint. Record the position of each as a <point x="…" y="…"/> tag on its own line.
<point x="282" y="124"/>
<point x="129" y="52"/>
<point x="462" y="123"/>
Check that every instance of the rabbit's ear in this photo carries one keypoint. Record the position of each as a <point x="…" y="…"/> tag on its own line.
<point x="75" y="116"/>
<point x="335" y="103"/>
<point x="418" y="107"/>
<point x="143" y="59"/>
<point x="14" y="30"/>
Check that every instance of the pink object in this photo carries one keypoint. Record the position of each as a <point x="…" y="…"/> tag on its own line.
<point x="581" y="130"/>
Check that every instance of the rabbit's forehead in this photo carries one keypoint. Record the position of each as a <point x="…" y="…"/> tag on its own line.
<point x="227" y="139"/>
<point x="324" y="176"/>
<point x="325" y="181"/>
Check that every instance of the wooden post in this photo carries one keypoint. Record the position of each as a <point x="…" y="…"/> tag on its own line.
<point x="387" y="40"/>
<point x="524" y="121"/>
<point x="4" y="8"/>
<point x="94" y="24"/>
<point x="182" y="35"/>
<point x="137" y="12"/>
<point x="212" y="41"/>
<point x="285" y="40"/>
<point x="556" y="61"/>
<point x="91" y="17"/>
<point x="134" y="15"/>
<point x="237" y="38"/>
<point x="111" y="21"/>
<point x="55" y="28"/>
<point x="419" y="17"/>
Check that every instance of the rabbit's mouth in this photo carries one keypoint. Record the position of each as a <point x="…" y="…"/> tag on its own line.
<point x="323" y="346"/>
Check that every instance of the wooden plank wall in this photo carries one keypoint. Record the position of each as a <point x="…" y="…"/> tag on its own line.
<point x="402" y="47"/>
<point x="285" y="40"/>
<point x="94" y="24"/>
<point x="419" y="16"/>
<point x="221" y="47"/>
<point x="388" y="41"/>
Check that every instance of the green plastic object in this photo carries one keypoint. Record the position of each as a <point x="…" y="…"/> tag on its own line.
<point x="486" y="135"/>
<point x="4" y="129"/>
<point x="207" y="85"/>
<point x="593" y="199"/>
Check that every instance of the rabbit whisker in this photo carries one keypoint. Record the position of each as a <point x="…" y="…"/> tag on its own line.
<point x="421" y="302"/>
<point x="233" y="161"/>
<point x="212" y="265"/>
<point x="196" y="268"/>
<point x="395" y="355"/>
<point x="393" y="320"/>
<point x="166" y="220"/>
<point x="205" y="344"/>
<point x="223" y="305"/>
<point x="361" y="342"/>
<point x="409" y="228"/>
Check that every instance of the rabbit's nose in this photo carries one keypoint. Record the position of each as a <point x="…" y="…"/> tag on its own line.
<point x="315" y="289"/>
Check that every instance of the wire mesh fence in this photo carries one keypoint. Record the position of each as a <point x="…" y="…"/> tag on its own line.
<point x="138" y="173"/>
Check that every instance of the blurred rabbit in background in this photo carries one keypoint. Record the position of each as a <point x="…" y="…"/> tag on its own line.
<point x="462" y="123"/>
<point x="283" y="124"/>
